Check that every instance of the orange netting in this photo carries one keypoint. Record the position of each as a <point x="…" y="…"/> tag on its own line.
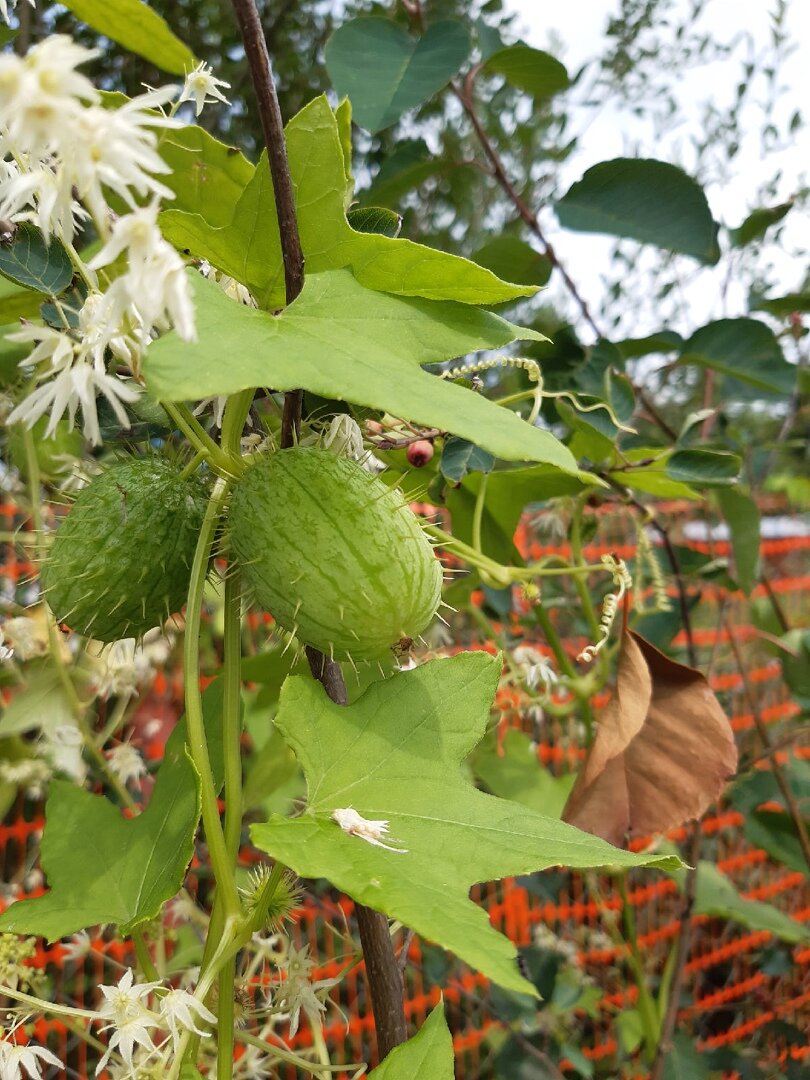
<point x="732" y="996"/>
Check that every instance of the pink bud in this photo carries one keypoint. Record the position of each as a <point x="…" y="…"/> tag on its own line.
<point x="420" y="453"/>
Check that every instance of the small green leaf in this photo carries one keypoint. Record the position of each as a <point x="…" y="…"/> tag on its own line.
<point x="40" y="705"/>
<point x="717" y="896"/>
<point x="17" y="303"/>
<point x="531" y="70"/>
<point x="775" y="833"/>
<point x="758" y="222"/>
<point x="649" y="474"/>
<point x="742" y="517"/>
<point x="342" y="341"/>
<point x="796" y="664"/>
<point x="514" y="260"/>
<point x="409" y="166"/>
<point x="139" y="29"/>
<point x="375" y="219"/>
<point x="460" y="457"/>
<point x="385" y="72"/>
<point x="783" y="306"/>
<point x="646" y="200"/>
<point x="512" y="771"/>
<point x="683" y="1061"/>
<point x="29" y="261"/>
<point x="428" y="1055"/>
<point x="704" y="468"/>
<point x="394" y="755"/>
<point x="665" y="341"/>
<point x="745" y="349"/>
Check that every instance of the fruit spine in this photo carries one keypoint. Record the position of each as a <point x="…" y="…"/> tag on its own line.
<point x="336" y="556"/>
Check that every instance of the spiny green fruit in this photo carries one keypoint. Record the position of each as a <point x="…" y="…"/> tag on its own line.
<point x="333" y="554"/>
<point x="120" y="562"/>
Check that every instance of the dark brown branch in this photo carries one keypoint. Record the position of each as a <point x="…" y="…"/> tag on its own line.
<point x="261" y="73"/>
<point x="385" y="980"/>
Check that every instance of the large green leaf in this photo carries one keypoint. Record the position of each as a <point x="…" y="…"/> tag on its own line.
<point x="717" y="896"/>
<point x="703" y="468"/>
<point x="139" y="29"/>
<point x="385" y="72"/>
<point x="103" y="868"/>
<point x="532" y="70"/>
<point x="744" y="348"/>
<point x="207" y="177"/>
<point x="646" y="200"/>
<point x="340" y="340"/>
<point x="428" y="1055"/>
<point x="249" y="249"/>
<point x="30" y="262"/>
<point x="17" y="303"/>
<point x="395" y="755"/>
<point x="742" y="517"/>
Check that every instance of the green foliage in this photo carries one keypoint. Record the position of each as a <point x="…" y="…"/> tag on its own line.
<point x="745" y="349"/>
<point x="394" y="755"/>
<point x="531" y="70"/>
<point x="138" y="28"/>
<point x="645" y="200"/>
<point x="717" y="896"/>
<point x="385" y="72"/>
<point x="342" y="341"/>
<point x="742" y="517"/>
<point x="249" y="248"/>
<point x="207" y="176"/>
<point x="428" y="1054"/>
<point x="27" y="260"/>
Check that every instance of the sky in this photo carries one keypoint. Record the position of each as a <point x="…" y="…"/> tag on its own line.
<point x="579" y="25"/>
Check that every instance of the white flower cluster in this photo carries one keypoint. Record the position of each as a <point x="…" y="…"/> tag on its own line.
<point x="63" y="154"/>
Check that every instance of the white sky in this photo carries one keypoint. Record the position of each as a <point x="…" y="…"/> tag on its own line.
<point x="580" y="25"/>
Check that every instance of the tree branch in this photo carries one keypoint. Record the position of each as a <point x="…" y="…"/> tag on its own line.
<point x="385" y="979"/>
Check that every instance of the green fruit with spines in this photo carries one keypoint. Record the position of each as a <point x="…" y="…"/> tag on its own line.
<point x="120" y="563"/>
<point x="336" y="556"/>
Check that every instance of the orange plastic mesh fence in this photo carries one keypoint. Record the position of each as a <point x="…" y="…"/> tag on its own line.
<point x="732" y="998"/>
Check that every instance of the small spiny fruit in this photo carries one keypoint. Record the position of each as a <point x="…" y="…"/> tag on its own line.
<point x="419" y="453"/>
<point x="336" y="556"/>
<point x="120" y="562"/>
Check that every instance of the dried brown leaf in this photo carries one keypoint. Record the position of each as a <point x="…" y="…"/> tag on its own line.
<point x="662" y="753"/>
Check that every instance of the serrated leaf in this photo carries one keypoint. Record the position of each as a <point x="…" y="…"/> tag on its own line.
<point x="428" y="1055"/>
<point x="646" y="200"/>
<point x="139" y="29"/>
<point x="460" y="456"/>
<point x="101" y="867"/>
<point x="375" y="219"/>
<point x="745" y="349"/>
<point x="249" y="248"/>
<point x="385" y="72"/>
<point x="742" y="517"/>
<point x="340" y="340"/>
<point x="30" y="262"/>
<point x="395" y="755"/>
<point x="704" y="468"/>
<point x="536" y="72"/>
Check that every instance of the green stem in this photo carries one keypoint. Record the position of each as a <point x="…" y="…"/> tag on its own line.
<point x="223" y="870"/>
<point x="478" y="513"/>
<point x="50" y="1007"/>
<point x="647" y="1010"/>
<point x="199" y="438"/>
<point x="289" y="1057"/>
<point x="117" y="720"/>
<point x="225" y="1019"/>
<point x="566" y="667"/>
<point x="144" y="959"/>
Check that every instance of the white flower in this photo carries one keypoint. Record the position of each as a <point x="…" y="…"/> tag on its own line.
<point x="126" y="763"/>
<point x="177" y="1009"/>
<point x="155" y="284"/>
<point x="5" y="652"/>
<point x="28" y="636"/>
<point x="30" y="774"/>
<point x="131" y="1020"/>
<point x="56" y="209"/>
<point x="78" y="947"/>
<point x="372" y="832"/>
<point x="62" y="749"/>
<point x="124" y="666"/>
<point x="201" y="85"/>
<point x="4" y="7"/>
<point x="298" y="992"/>
<point x="15" y="1058"/>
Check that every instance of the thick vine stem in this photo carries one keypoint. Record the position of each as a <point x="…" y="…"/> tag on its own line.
<point x="386" y="991"/>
